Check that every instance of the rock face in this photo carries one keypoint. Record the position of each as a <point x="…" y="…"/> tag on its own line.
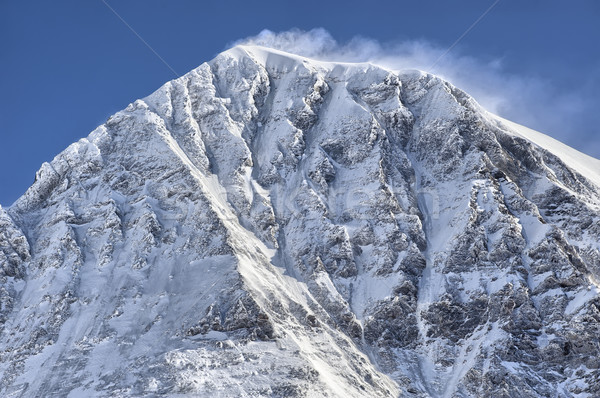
<point x="269" y="225"/>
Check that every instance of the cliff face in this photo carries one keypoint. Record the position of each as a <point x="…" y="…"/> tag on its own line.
<point x="269" y="225"/>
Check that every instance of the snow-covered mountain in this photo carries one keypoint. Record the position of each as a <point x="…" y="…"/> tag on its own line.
<point x="270" y="225"/>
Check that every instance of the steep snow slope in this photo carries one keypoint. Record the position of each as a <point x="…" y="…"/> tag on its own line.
<point x="580" y="162"/>
<point x="270" y="225"/>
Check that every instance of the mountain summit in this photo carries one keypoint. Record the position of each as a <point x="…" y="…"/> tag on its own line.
<point x="273" y="226"/>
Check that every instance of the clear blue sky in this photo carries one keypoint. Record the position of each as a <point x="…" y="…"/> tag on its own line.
<point x="66" y="66"/>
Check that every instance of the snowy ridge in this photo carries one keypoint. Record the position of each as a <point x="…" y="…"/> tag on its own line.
<point x="585" y="165"/>
<point x="271" y="225"/>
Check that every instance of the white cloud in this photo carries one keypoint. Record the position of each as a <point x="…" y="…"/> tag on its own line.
<point x="528" y="100"/>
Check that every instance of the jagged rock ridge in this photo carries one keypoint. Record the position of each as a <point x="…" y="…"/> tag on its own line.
<point x="270" y="225"/>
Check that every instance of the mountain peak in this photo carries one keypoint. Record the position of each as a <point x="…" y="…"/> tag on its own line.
<point x="271" y="225"/>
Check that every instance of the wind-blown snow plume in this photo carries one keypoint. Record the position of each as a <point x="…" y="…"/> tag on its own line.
<point x="529" y="100"/>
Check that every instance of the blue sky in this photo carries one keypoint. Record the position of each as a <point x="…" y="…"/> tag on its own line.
<point x="66" y="66"/>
